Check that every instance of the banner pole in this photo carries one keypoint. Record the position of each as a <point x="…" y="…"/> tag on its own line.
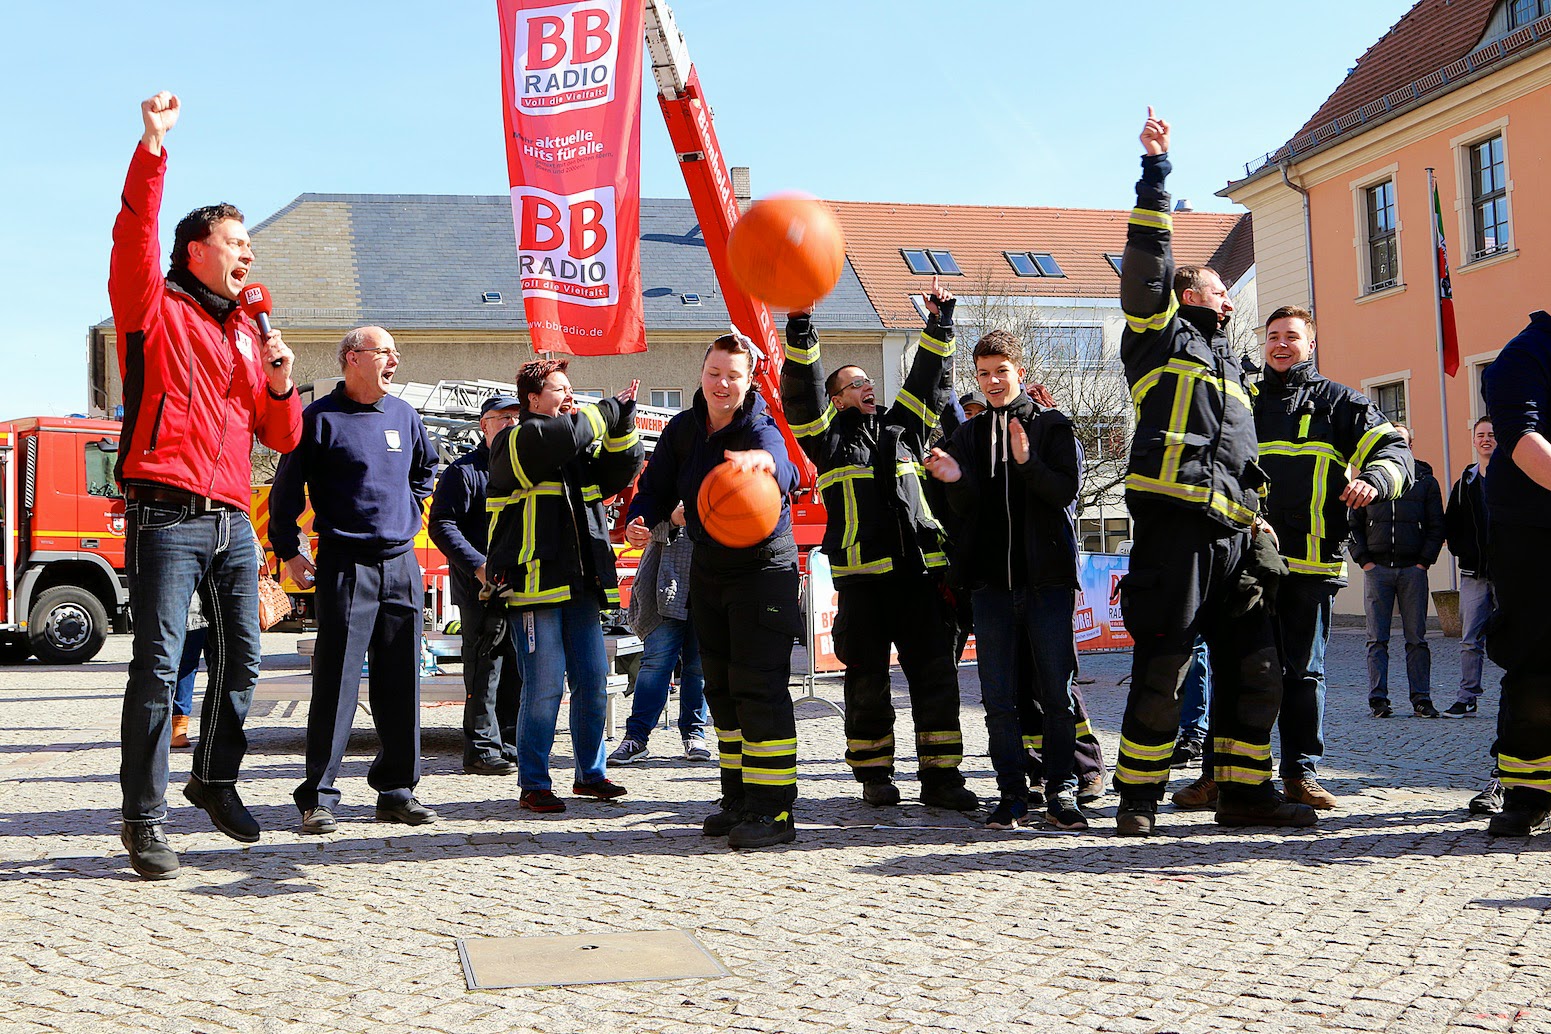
<point x="1434" y="214"/>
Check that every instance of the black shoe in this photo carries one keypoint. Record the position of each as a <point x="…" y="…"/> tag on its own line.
<point x="1424" y="709"/>
<point x="1461" y="709"/>
<point x="1489" y="801"/>
<point x="763" y="831"/>
<point x="1136" y="818"/>
<point x="1265" y="807"/>
<point x="1061" y="811"/>
<point x="1520" y="822"/>
<point x="410" y="813"/>
<point x="489" y="766"/>
<point x="1009" y="813"/>
<point x="149" y="853"/>
<point x="602" y="790"/>
<point x="1187" y="753"/>
<point x="1381" y="709"/>
<point x="318" y="820"/>
<point x="225" y="809"/>
<point x="880" y="793"/>
<point x="949" y="796"/>
<point x="728" y="814"/>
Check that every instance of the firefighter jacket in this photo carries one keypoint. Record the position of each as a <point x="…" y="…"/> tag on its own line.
<point x="1015" y="531"/>
<point x="195" y="389"/>
<point x="1195" y="431"/>
<point x="1311" y="429"/>
<point x="549" y="475"/>
<point x="869" y="466"/>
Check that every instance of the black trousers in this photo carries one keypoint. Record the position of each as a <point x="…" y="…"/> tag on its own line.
<point x="1185" y="580"/>
<point x="368" y="610"/>
<point x="1519" y="639"/>
<point x="1087" y="756"/>
<point x="492" y="683"/>
<point x="907" y="611"/>
<point x="746" y="615"/>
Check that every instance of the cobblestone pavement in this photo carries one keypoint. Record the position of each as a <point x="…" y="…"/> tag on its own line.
<point x="1397" y="913"/>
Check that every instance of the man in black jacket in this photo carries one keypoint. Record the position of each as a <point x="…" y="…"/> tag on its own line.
<point x="1464" y="521"/>
<point x="1396" y="541"/>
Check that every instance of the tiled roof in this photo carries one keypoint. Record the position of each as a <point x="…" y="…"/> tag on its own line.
<point x="1432" y="34"/>
<point x="1236" y="253"/>
<point x="977" y="236"/>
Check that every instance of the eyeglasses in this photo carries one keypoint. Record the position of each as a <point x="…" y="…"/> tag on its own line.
<point x="385" y="350"/>
<point x="860" y="382"/>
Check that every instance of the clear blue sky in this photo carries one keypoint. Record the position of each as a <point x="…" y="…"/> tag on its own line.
<point x="979" y="102"/>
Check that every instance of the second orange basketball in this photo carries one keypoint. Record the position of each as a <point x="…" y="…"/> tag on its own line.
<point x="787" y="251"/>
<point x="739" y="508"/>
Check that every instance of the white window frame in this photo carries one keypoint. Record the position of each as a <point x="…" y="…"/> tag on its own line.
<point x="1403" y="377"/>
<point x="1359" y="187"/>
<point x="664" y="391"/>
<point x="1464" y="200"/>
<point x="1474" y="365"/>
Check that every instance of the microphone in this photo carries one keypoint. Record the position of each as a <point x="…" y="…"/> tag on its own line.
<point x="256" y="303"/>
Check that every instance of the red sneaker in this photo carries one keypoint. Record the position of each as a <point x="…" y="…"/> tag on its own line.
<point x="541" y="801"/>
<point x="603" y="790"/>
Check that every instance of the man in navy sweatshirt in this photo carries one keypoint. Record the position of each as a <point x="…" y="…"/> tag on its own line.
<point x="367" y="465"/>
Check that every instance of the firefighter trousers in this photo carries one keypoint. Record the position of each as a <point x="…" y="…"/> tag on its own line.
<point x="909" y="612"/>
<point x="1519" y="639"/>
<point x="1187" y="579"/>
<point x="747" y="617"/>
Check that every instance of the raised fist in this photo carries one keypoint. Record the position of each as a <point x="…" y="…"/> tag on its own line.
<point x="159" y="114"/>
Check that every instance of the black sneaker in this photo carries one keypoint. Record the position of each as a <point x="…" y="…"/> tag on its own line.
<point x="880" y="793"/>
<point x="602" y="790"/>
<point x="1424" y="709"/>
<point x="410" y="813"/>
<point x="1520" y="822"/>
<point x="1186" y="753"/>
<point x="1136" y="818"/>
<point x="149" y="853"/>
<point x="1461" y="709"/>
<point x="949" y="796"/>
<point x="763" y="831"/>
<point x="1062" y="812"/>
<point x="1009" y="813"/>
<point x="225" y="809"/>
<point x="1266" y="807"/>
<point x="1381" y="710"/>
<point x="1489" y="801"/>
<point x="728" y="813"/>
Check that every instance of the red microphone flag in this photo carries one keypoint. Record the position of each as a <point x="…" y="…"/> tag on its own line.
<point x="571" y="99"/>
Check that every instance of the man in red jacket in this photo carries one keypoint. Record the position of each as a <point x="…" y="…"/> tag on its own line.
<point x="199" y="382"/>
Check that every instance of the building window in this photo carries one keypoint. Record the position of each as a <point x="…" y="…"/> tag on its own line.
<point x="1488" y="197"/>
<point x="1391" y="400"/>
<point x="592" y="394"/>
<point x="928" y="261"/>
<point x="1071" y="345"/>
<point x="1383" y="255"/>
<point x="1033" y="263"/>
<point x="1113" y="260"/>
<point x="1522" y="12"/>
<point x="668" y="398"/>
<point x="1103" y="536"/>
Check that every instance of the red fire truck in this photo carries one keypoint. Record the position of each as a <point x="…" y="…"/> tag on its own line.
<point x="62" y="525"/>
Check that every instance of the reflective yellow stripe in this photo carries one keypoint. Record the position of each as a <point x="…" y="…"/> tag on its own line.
<point x="1235" y="774"/>
<point x="1397" y="476"/>
<point x="592" y="494"/>
<point x="948" y="736"/>
<point x="1512" y="764"/>
<point x="1300" y="566"/>
<point x="1303" y="425"/>
<point x="1229" y="508"/>
<point x="936" y="560"/>
<point x="769" y="776"/>
<point x="818" y="426"/>
<point x="769" y="748"/>
<point x="621" y="444"/>
<point x="884" y="743"/>
<point x="1301" y="449"/>
<point x="1142" y="752"/>
<point x="1366" y="443"/>
<point x="883" y="566"/>
<point x="805" y="356"/>
<point x="1136" y="777"/>
<point x="1244" y="748"/>
<point x="1151" y="218"/>
<point x="1084" y="729"/>
<point x="595" y="418"/>
<point x="511" y="452"/>
<point x="1193" y="372"/>
<point x="1179" y="419"/>
<point x="936" y="347"/>
<point x="536" y="595"/>
<point x="832" y="477"/>
<point x="915" y="405"/>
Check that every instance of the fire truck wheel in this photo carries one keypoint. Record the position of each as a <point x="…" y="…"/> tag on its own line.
<point x="68" y="625"/>
<point x="14" y="651"/>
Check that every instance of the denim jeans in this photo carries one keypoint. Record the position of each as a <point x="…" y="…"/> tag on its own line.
<point x="1303" y="607"/>
<point x="1195" y="700"/>
<point x="1383" y="587"/>
<point x="661" y="650"/>
<point x="171" y="552"/>
<point x="1047" y="613"/>
<point x="188" y="667"/>
<point x="556" y="645"/>
<point x="1475" y="608"/>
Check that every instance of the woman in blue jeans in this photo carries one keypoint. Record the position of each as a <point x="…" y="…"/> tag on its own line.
<point x="659" y="614"/>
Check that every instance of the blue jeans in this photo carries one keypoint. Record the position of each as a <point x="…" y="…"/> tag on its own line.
<point x="556" y="645"/>
<point x="171" y="552"/>
<point x="1475" y="607"/>
<point x="1195" y="699"/>
<point x="1047" y="613"/>
<point x="1383" y="587"/>
<point x="188" y="667"/>
<point x="660" y="651"/>
<point x="1303" y="606"/>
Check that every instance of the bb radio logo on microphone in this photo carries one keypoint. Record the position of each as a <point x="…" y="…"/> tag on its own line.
<point x="564" y="56"/>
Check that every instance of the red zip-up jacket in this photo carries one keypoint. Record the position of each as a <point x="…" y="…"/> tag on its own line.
<point x="195" y="392"/>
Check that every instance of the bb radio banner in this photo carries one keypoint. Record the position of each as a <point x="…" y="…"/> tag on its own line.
<point x="571" y="97"/>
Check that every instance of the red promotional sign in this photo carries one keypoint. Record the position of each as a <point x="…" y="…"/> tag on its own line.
<point x="571" y="99"/>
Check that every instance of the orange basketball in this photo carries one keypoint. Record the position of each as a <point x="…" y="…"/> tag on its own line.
<point x="739" y="508"/>
<point x="787" y="251"/>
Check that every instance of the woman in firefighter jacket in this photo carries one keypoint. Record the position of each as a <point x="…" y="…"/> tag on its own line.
<point x="746" y="613"/>
<point x="1311" y="429"/>
<point x="550" y="556"/>
<point x="887" y="551"/>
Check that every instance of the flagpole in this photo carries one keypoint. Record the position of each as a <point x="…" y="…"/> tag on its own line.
<point x="1433" y="216"/>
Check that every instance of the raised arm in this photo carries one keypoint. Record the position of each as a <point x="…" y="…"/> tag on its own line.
<point x="1147" y="267"/>
<point x="135" y="281"/>
<point x="808" y="411"/>
<point x="925" y="391"/>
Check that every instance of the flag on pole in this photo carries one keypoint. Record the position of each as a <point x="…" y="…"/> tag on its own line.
<point x="1449" y="333"/>
<point x="571" y="92"/>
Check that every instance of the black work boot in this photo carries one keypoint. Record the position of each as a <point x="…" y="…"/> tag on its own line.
<point x="225" y="809"/>
<point x="1262" y="806"/>
<point x="1525" y="813"/>
<point x="1136" y="818"/>
<point x="149" y="853"/>
<point x="763" y="831"/>
<point x="729" y="813"/>
<point x="880" y="793"/>
<point x="944" y="788"/>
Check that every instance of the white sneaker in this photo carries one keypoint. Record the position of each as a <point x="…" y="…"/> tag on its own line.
<point x="695" y="749"/>
<point x="629" y="750"/>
